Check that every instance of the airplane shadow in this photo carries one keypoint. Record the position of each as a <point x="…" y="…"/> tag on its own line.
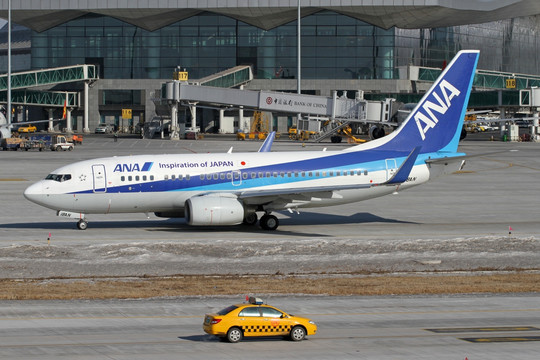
<point x="311" y="219"/>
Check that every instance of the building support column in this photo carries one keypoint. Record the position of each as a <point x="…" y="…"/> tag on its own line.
<point x="69" y="127"/>
<point x="51" y="118"/>
<point x="86" y="129"/>
<point x="174" y="135"/>
<point x="221" y="116"/>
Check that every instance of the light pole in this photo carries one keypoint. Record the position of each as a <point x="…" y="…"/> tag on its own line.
<point x="8" y="110"/>
<point x="299" y="51"/>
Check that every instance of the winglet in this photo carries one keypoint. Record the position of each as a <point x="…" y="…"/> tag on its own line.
<point x="267" y="144"/>
<point x="405" y="169"/>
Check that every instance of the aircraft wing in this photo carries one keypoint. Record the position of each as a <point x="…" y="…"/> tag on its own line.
<point x="317" y="193"/>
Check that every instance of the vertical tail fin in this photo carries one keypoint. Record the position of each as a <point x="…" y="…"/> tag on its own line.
<point x="435" y="123"/>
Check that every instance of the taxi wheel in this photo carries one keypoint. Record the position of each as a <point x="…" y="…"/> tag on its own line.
<point x="234" y="335"/>
<point x="298" y="333"/>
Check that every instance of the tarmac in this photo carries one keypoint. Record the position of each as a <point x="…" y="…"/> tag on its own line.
<point x="460" y="222"/>
<point x="395" y="327"/>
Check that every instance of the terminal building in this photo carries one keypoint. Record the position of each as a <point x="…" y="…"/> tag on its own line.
<point x="136" y="46"/>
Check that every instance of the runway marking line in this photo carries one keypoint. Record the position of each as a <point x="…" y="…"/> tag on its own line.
<point x="484" y="329"/>
<point x="15" y="179"/>
<point x="502" y="339"/>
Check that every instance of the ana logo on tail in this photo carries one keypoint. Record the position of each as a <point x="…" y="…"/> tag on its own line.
<point x="448" y="91"/>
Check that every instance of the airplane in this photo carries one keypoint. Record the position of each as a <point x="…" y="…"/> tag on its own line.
<point x="234" y="188"/>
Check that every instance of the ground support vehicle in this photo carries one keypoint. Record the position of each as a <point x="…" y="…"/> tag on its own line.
<point x="59" y="142"/>
<point x="75" y="139"/>
<point x="12" y="143"/>
<point x="34" y="145"/>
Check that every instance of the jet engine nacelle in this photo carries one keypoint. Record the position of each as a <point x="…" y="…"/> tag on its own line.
<point x="214" y="210"/>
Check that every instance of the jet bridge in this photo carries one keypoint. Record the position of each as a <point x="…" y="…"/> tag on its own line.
<point x="181" y="93"/>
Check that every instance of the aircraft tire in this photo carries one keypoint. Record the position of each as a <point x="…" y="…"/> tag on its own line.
<point x="269" y="222"/>
<point x="82" y="224"/>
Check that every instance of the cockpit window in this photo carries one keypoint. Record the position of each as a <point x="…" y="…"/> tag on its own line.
<point x="58" y="177"/>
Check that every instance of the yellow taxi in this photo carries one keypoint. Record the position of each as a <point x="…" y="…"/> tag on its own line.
<point x="256" y="319"/>
<point x="27" y="129"/>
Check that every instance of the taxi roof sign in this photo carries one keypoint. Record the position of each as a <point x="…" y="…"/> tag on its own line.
<point x="255" y="301"/>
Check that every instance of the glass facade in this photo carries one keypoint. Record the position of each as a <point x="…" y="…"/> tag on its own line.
<point x="334" y="46"/>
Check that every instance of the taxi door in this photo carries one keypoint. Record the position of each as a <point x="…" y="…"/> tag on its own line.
<point x="251" y="321"/>
<point x="274" y="322"/>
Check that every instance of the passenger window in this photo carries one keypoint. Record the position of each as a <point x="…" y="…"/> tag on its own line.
<point x="253" y="175"/>
<point x="180" y="177"/>
<point x="296" y="174"/>
<point x="282" y="174"/>
<point x="324" y="173"/>
<point x="303" y="174"/>
<point x="144" y="177"/>
<point x="244" y="175"/>
<point x="173" y="177"/>
<point x="310" y="174"/>
<point x="137" y="178"/>
<point x="275" y="174"/>
<point x="331" y="173"/>
<point x="166" y="177"/>
<point x="188" y="177"/>
<point x="208" y="176"/>
<point x="365" y="172"/>
<point x="122" y="178"/>
<point x="289" y="174"/>
<point x="202" y="176"/>
<point x="272" y="313"/>
<point x="216" y="176"/>
<point x="222" y="176"/>
<point x="151" y="177"/>
<point x="268" y="174"/>
<point x="250" y="312"/>
<point x="229" y="176"/>
<point x="261" y="174"/>
<point x="130" y="178"/>
<point x="317" y="174"/>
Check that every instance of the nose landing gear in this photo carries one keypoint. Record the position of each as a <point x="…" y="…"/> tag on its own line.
<point x="82" y="224"/>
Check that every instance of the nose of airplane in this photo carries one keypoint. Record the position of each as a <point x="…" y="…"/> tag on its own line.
<point x="34" y="192"/>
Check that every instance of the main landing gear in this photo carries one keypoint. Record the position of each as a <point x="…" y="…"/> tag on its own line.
<point x="267" y="222"/>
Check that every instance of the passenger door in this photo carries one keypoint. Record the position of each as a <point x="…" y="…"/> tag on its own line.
<point x="100" y="179"/>
<point x="274" y="322"/>
<point x="251" y="321"/>
<point x="391" y="167"/>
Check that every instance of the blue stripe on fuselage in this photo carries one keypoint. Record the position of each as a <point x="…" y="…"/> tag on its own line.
<point x="371" y="160"/>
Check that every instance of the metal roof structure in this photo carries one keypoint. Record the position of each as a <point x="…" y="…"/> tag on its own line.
<point x="267" y="14"/>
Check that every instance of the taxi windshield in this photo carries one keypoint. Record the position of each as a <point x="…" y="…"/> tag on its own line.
<point x="227" y="310"/>
<point x="58" y="177"/>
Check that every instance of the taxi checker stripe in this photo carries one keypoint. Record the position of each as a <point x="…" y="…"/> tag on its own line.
<point x="266" y="328"/>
